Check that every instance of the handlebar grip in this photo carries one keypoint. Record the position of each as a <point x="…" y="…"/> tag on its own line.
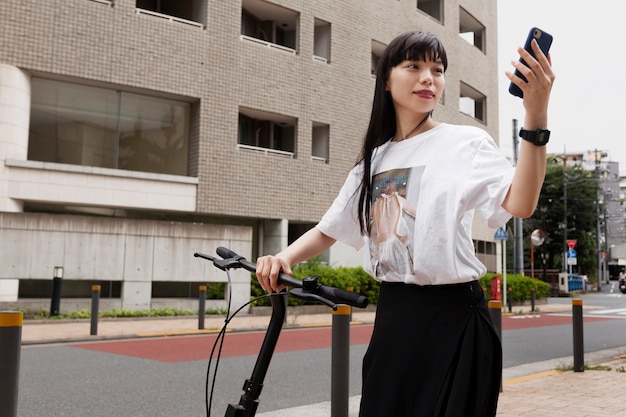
<point x="336" y="295"/>
<point x="227" y="253"/>
<point x="343" y="297"/>
<point x="289" y="281"/>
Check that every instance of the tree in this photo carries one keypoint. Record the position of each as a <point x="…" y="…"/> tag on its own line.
<point x="574" y="189"/>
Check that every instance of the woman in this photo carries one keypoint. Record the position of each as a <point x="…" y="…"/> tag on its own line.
<point x="411" y="198"/>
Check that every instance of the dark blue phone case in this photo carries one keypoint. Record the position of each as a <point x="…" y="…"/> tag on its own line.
<point x="544" y="39"/>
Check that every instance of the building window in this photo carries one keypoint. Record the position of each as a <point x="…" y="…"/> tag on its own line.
<point x="267" y="131"/>
<point x="184" y="10"/>
<point x="471" y="30"/>
<point x="320" y="142"/>
<point x="377" y="51"/>
<point x="433" y="8"/>
<point x="484" y="247"/>
<point x="269" y="24"/>
<point x="321" y="41"/>
<point x="473" y="103"/>
<point x="93" y="126"/>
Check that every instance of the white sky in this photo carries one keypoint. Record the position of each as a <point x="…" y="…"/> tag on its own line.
<point x="587" y="108"/>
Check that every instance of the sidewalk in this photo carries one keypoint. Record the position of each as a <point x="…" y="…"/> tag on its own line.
<point x="535" y="390"/>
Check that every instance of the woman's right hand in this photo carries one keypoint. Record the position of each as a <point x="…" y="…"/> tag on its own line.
<point x="267" y="270"/>
<point x="307" y="246"/>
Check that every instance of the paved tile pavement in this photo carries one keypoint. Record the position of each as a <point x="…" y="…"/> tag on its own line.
<point x="530" y="390"/>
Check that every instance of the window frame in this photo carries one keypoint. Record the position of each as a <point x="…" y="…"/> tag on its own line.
<point x="276" y="126"/>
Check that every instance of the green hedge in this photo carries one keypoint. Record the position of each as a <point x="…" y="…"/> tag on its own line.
<point x="361" y="282"/>
<point x="518" y="286"/>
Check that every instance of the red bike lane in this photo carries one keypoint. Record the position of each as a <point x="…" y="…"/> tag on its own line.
<point x="191" y="348"/>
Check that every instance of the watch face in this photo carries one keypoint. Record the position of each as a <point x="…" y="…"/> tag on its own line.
<point x="542" y="137"/>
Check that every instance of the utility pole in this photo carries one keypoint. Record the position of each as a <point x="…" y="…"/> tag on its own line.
<point x="518" y="243"/>
<point x="565" y="247"/>
<point x="599" y="257"/>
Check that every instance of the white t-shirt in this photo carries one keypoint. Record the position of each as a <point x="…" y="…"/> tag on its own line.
<point x="425" y="191"/>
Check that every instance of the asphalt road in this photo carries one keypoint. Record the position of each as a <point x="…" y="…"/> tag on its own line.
<point x="167" y="376"/>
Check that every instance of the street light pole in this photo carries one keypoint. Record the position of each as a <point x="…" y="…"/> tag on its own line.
<point x="518" y="243"/>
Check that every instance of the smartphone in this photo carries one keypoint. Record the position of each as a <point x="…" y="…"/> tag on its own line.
<point x="544" y="39"/>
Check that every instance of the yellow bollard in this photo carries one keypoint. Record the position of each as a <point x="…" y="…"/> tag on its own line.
<point x="577" y="322"/>
<point x="10" y="345"/>
<point x="340" y="361"/>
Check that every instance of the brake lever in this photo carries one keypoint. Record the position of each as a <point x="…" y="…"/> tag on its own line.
<point x="303" y="294"/>
<point x="307" y="292"/>
<point x="222" y="264"/>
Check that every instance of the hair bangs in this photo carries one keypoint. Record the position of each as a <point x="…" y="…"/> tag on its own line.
<point x="420" y="46"/>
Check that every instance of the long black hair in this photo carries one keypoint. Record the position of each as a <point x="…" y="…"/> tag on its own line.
<point x="411" y="46"/>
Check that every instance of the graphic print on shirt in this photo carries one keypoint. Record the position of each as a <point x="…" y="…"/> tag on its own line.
<point x="392" y="222"/>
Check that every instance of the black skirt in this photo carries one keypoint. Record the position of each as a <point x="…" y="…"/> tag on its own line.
<point x="434" y="353"/>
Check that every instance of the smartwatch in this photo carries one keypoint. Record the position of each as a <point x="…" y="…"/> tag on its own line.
<point x="537" y="137"/>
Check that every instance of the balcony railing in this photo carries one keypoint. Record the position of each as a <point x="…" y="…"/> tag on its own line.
<point x="267" y="44"/>
<point x="170" y="18"/>
<point x="266" y="151"/>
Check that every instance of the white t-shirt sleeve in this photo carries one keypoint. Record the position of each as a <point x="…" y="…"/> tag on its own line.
<point x="491" y="176"/>
<point x="341" y="221"/>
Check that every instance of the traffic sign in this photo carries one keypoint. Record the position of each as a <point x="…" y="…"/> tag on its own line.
<point x="571" y="243"/>
<point x="501" y="234"/>
<point x="571" y="257"/>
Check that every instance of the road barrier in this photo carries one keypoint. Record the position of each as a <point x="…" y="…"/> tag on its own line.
<point x="340" y="362"/>
<point x="577" y="321"/>
<point x="495" y="310"/>
<point x="10" y="350"/>
<point x="201" y="306"/>
<point x="95" y="309"/>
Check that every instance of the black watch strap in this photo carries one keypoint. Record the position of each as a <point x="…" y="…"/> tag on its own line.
<point x="539" y="137"/>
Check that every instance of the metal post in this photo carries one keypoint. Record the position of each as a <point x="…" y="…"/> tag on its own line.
<point x="518" y="231"/>
<point x="351" y="289"/>
<point x="340" y="362"/>
<point x="10" y="345"/>
<point x="577" y="320"/>
<point x="510" y="300"/>
<point x="504" y="283"/>
<point x="495" y="310"/>
<point x="95" y="309"/>
<point x="201" y="306"/>
<point x="564" y="210"/>
<point x="532" y="299"/>
<point x="532" y="259"/>
<point x="598" y="246"/>
<point x="57" y="280"/>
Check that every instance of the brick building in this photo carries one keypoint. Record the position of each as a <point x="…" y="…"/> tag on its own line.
<point x="136" y="132"/>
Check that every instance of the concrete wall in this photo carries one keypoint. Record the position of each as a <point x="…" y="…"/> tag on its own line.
<point x="135" y="252"/>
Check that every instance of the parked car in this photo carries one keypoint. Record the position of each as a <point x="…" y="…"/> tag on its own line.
<point x="622" y="283"/>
